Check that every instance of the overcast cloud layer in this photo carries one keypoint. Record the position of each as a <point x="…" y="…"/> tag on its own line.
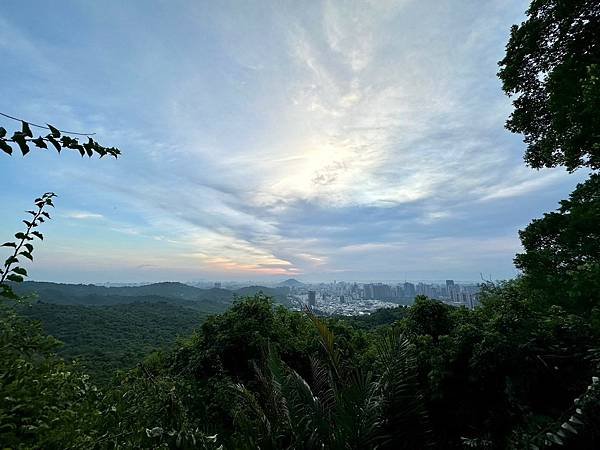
<point x="316" y="140"/>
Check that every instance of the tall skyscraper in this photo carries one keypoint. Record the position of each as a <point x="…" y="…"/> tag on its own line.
<point x="312" y="298"/>
<point x="450" y="288"/>
<point x="409" y="291"/>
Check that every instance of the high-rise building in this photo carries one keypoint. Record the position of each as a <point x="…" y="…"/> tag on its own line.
<point x="382" y="291"/>
<point x="409" y="291"/>
<point x="450" y="289"/>
<point x="312" y="298"/>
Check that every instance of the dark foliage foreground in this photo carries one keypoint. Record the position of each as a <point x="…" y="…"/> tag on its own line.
<point x="506" y="375"/>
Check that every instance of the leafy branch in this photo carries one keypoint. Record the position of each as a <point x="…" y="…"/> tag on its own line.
<point x="23" y="248"/>
<point x="576" y="419"/>
<point x="56" y="138"/>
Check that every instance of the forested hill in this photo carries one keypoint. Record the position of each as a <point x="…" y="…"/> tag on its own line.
<point x="105" y="338"/>
<point x="110" y="328"/>
<point x="210" y="300"/>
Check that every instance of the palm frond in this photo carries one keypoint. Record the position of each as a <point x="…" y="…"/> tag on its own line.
<point x="323" y="383"/>
<point x="326" y="339"/>
<point x="250" y="406"/>
<point x="403" y="405"/>
<point x="358" y="412"/>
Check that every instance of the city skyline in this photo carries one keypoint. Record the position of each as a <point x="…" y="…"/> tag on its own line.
<point x="333" y="141"/>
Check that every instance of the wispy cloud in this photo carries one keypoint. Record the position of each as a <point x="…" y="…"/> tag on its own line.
<point x="355" y="139"/>
<point x="83" y="215"/>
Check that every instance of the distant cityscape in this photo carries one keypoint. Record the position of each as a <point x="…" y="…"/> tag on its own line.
<point x="350" y="299"/>
<point x="355" y="298"/>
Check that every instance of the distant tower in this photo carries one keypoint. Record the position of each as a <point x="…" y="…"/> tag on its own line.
<point x="312" y="298"/>
<point x="409" y="291"/>
<point x="218" y="285"/>
<point x="450" y="288"/>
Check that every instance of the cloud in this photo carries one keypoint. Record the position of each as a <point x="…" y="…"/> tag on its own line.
<point x="363" y="139"/>
<point x="82" y="215"/>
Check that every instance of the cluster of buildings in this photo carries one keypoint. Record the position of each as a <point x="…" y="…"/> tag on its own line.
<point x="342" y="304"/>
<point x="361" y="298"/>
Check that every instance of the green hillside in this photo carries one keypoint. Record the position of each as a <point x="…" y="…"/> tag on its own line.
<point x="110" y="337"/>
<point x="110" y="328"/>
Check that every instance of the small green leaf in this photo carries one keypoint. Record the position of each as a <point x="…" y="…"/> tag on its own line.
<point x="44" y="213"/>
<point x="54" y="142"/>
<point x="29" y="247"/>
<point x="89" y="147"/>
<point x="9" y="244"/>
<point x="29" y="224"/>
<point x="554" y="438"/>
<point x="562" y="434"/>
<point x="31" y="212"/>
<point x="567" y="426"/>
<point x="5" y="147"/>
<point x="55" y="132"/>
<point x="2" y="132"/>
<point x="76" y="146"/>
<point x="15" y="278"/>
<point x="66" y="141"/>
<point x="39" y="142"/>
<point x="20" y="271"/>
<point x="38" y="234"/>
<point x="26" y="130"/>
<point x="21" y="141"/>
<point x="20" y="235"/>
<point x="10" y="260"/>
<point x="27" y="255"/>
<point x="575" y="420"/>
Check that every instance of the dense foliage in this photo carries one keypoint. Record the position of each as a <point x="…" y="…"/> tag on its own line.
<point x="552" y="66"/>
<point x="44" y="401"/>
<point x="262" y="376"/>
<point x="107" y="338"/>
<point x="110" y="328"/>
<point x="561" y="261"/>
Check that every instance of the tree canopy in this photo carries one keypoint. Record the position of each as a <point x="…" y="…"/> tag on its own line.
<point x="561" y="260"/>
<point x="552" y="67"/>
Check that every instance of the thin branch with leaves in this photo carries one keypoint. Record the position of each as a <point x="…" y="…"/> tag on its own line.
<point x="23" y="247"/>
<point x="56" y="138"/>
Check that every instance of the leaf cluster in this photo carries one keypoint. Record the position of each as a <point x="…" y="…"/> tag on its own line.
<point x="23" y="245"/>
<point x="552" y="67"/>
<point x="56" y="139"/>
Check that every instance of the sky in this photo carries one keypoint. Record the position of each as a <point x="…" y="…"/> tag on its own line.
<point x="265" y="140"/>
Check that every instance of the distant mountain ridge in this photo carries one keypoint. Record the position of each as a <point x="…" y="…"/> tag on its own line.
<point x="291" y="282"/>
<point x="214" y="299"/>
